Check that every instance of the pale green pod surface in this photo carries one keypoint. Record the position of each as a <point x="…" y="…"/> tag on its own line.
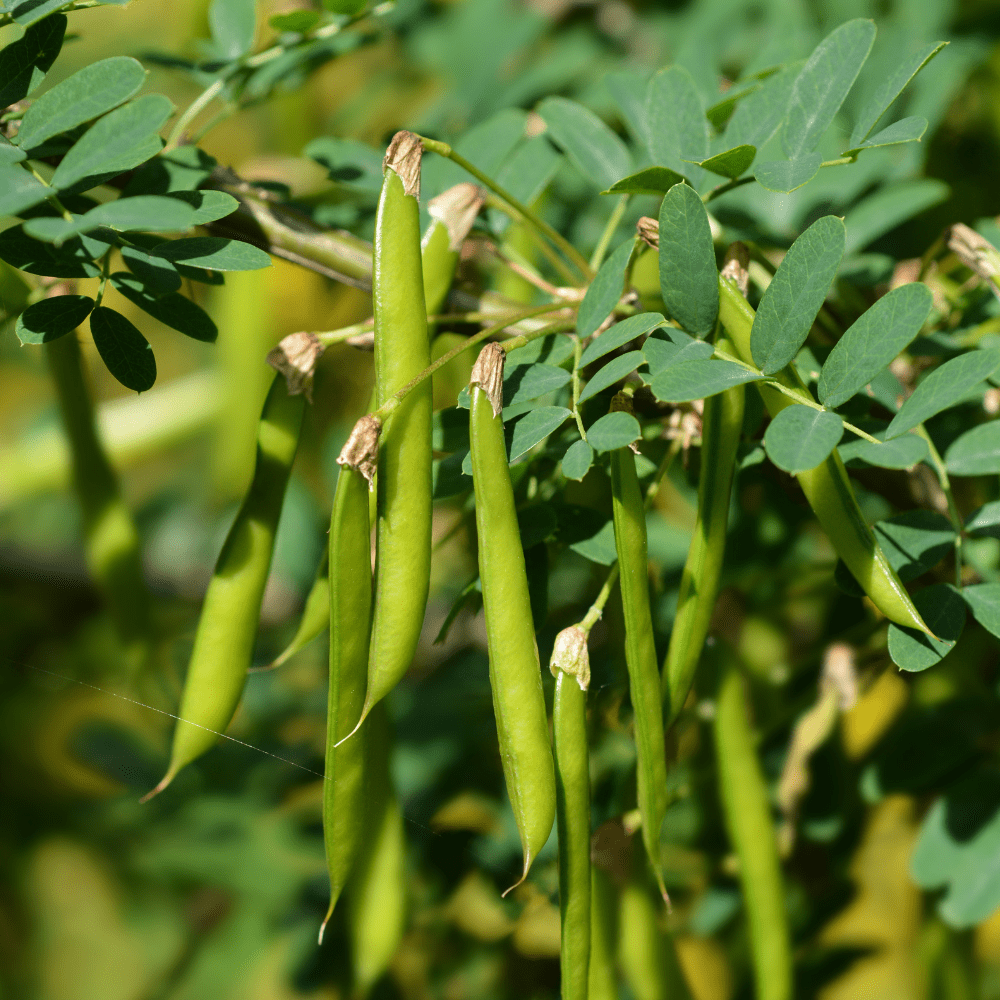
<point x="515" y="674"/>
<point x="640" y="650"/>
<point x="722" y="423"/>
<point x="402" y="351"/>
<point x="748" y="819"/>
<point x="827" y="487"/>
<point x="377" y="891"/>
<point x="315" y="614"/>
<point x="345" y="823"/>
<point x="571" y="669"/>
<point x="602" y="982"/>
<point x="227" y="628"/>
<point x="646" y="954"/>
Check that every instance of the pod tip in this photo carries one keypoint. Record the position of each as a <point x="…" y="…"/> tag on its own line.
<point x="487" y="373"/>
<point x="364" y="715"/>
<point x="322" y="926"/>
<point x="403" y="156"/>
<point x="167" y="778"/>
<point x="524" y="875"/>
<point x="361" y="449"/>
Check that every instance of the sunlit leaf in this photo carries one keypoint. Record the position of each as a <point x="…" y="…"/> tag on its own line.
<point x="799" y="437"/>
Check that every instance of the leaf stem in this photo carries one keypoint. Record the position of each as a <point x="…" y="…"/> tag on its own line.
<point x="192" y="111"/>
<point x="577" y="351"/>
<point x="609" y="231"/>
<point x="953" y="514"/>
<point x="543" y="244"/>
<point x="726" y="188"/>
<point x="570" y="251"/>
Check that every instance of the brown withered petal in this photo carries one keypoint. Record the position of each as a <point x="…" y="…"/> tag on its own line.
<point x="295" y="358"/>
<point x="736" y="266"/>
<point x="361" y="450"/>
<point x="457" y="208"/>
<point x="649" y="231"/>
<point x="570" y="655"/>
<point x="403" y="155"/>
<point x="487" y="373"/>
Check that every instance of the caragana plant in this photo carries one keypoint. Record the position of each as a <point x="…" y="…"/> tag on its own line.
<point x="669" y="300"/>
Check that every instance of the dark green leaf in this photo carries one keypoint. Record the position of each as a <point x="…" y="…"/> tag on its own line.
<point x="171" y="309"/>
<point x="613" y="430"/>
<point x="9" y="153"/>
<point x="976" y="452"/>
<point x="71" y="260"/>
<point x="619" y="335"/>
<point x="899" y="453"/>
<point x="823" y="85"/>
<point x="944" y="387"/>
<point x="299" y="21"/>
<point x="661" y="353"/>
<point x="720" y="112"/>
<point x="652" y="180"/>
<point x="524" y="382"/>
<point x="757" y="118"/>
<point x="208" y="205"/>
<point x="29" y="12"/>
<point x="348" y="161"/>
<point x="154" y="272"/>
<point x="182" y="169"/>
<point x="232" y="23"/>
<point x="890" y="88"/>
<point x="942" y="608"/>
<point x="882" y="211"/>
<point x="24" y="63"/>
<point x="594" y="149"/>
<point x="214" y="253"/>
<point x="52" y="318"/>
<point x="534" y="427"/>
<point x="577" y="460"/>
<point x="699" y="379"/>
<point x="873" y="341"/>
<point x="551" y="350"/>
<point x="449" y="477"/>
<point x="678" y="128"/>
<point x="600" y="547"/>
<point x="732" y="163"/>
<point x="959" y="846"/>
<point x="89" y="92"/>
<point x="604" y="291"/>
<point x="525" y="175"/>
<point x="614" y="370"/>
<point x="785" y="176"/>
<point x="143" y="212"/>
<point x="983" y="600"/>
<point x="19" y="190"/>
<point x="122" y="139"/>
<point x="915" y="541"/>
<point x="628" y="90"/>
<point x="796" y="294"/>
<point x="799" y="437"/>
<point x="689" y="280"/>
<point x="905" y="130"/>
<point x="985" y="520"/>
<point x="124" y="350"/>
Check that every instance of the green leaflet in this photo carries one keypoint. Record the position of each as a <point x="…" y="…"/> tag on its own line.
<point x="592" y="147"/>
<point x="800" y="437"/>
<point x="678" y="128"/>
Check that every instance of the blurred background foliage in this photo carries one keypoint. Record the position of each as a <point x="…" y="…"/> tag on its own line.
<point x="216" y="888"/>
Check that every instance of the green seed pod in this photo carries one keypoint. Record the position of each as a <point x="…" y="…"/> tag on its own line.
<point x="452" y="214"/>
<point x="827" y="487"/>
<point x="227" y="628"/>
<point x="748" y="819"/>
<point x="377" y="891"/>
<point x="722" y="423"/>
<point x="345" y="823"/>
<point x="570" y="665"/>
<point x="402" y="351"/>
<point x="515" y="675"/>
<point x="640" y="649"/>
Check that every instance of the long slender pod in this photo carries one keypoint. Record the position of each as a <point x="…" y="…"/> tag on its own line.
<point x="515" y="674"/>
<point x="402" y="351"/>
<point x="570" y="665"/>
<point x="227" y="628"/>
<point x="722" y="422"/>
<point x="827" y="487"/>
<point x="349" y="613"/>
<point x="640" y="649"/>
<point x="748" y="820"/>
<point x="110" y="537"/>
<point x="377" y="891"/>
<point x="452" y="215"/>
